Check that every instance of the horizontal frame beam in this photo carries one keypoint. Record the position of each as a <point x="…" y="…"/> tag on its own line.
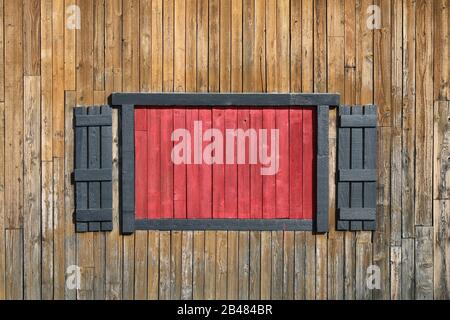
<point x="224" y="224"/>
<point x="224" y="99"/>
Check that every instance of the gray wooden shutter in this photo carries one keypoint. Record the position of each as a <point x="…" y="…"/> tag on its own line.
<point x="357" y="174"/>
<point x="93" y="169"/>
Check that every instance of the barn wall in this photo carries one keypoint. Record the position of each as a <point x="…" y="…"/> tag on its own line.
<point x="239" y="45"/>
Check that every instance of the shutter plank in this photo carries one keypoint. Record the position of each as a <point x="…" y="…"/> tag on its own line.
<point x="94" y="163"/>
<point x="356" y="162"/>
<point x="81" y="155"/>
<point x="344" y="164"/>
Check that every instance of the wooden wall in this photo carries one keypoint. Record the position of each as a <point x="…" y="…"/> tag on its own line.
<point x="220" y="45"/>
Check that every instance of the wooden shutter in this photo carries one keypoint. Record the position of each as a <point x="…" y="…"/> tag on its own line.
<point x="357" y="174"/>
<point x="93" y="169"/>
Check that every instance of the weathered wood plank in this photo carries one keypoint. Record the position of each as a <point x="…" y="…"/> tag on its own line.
<point x="210" y="265"/>
<point x="31" y="41"/>
<point x="288" y="265"/>
<point x="59" y="270"/>
<point x="164" y="265"/>
<point x="69" y="200"/>
<point x="14" y="264"/>
<point x="424" y="263"/>
<point x="70" y="44"/>
<point x="423" y="203"/>
<point x="58" y="77"/>
<point x="381" y="238"/>
<point x="141" y="265"/>
<point x="2" y="198"/>
<point x="32" y="188"/>
<point x="243" y="265"/>
<point x="277" y="265"/>
<point x="153" y="265"/>
<point x="396" y="273"/>
<point x="396" y="117"/>
<point x="221" y="265"/>
<point x="14" y="114"/>
<point x="187" y="265"/>
<point x="198" y="276"/>
<point x="441" y="249"/>
<point x="99" y="45"/>
<point x="175" y="265"/>
<point x="233" y="265"/>
<point x="409" y="110"/>
<point x="441" y="64"/>
<point x="407" y="269"/>
<point x="113" y="82"/>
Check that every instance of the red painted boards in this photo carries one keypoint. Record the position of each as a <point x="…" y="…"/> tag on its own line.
<point x="216" y="163"/>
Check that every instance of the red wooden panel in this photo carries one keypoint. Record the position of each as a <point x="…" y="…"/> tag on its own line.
<point x="193" y="170"/>
<point x="231" y="195"/>
<point x="154" y="164"/>
<point x="140" y="119"/>
<point x="296" y="163"/>
<point x="166" y="164"/>
<point x="141" y="163"/>
<point x="308" y="162"/>
<point x="256" y="179"/>
<point x="204" y="186"/>
<point x="282" y="177"/>
<point x="269" y="186"/>
<point x="218" y="185"/>
<point x="200" y="189"/>
<point x="179" y="171"/>
<point x="244" y="170"/>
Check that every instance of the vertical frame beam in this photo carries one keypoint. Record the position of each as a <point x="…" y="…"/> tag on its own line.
<point x="127" y="217"/>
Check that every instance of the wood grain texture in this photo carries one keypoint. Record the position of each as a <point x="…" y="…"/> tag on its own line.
<point x="228" y="46"/>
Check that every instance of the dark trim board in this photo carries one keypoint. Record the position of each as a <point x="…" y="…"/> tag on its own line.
<point x="225" y="99"/>
<point x="126" y="103"/>
<point x="224" y="224"/>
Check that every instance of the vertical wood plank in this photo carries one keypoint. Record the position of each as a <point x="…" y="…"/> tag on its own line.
<point x="441" y="65"/>
<point x="153" y="265"/>
<point x="186" y="263"/>
<point x="424" y="263"/>
<point x="232" y="266"/>
<point x="31" y="41"/>
<point x="32" y="188"/>
<point x="99" y="45"/>
<point x="70" y="45"/>
<point x="441" y="250"/>
<point x="113" y="82"/>
<point x="13" y="54"/>
<point x="409" y="101"/>
<point x="69" y="201"/>
<point x="198" y="277"/>
<point x="244" y="265"/>
<point x="266" y="265"/>
<point x="423" y="204"/>
<point x="14" y="264"/>
<point x="277" y="265"/>
<point x="210" y="265"/>
<point x="407" y="266"/>
<point x="141" y="265"/>
<point x="221" y="265"/>
<point x="164" y="265"/>
<point x="175" y="265"/>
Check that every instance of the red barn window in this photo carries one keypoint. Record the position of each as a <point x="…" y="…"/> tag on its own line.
<point x="224" y="161"/>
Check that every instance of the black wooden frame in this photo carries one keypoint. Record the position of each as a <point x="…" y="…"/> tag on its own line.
<point x="127" y="101"/>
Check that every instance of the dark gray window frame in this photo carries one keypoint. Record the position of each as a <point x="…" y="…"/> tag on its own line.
<point x="126" y="103"/>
